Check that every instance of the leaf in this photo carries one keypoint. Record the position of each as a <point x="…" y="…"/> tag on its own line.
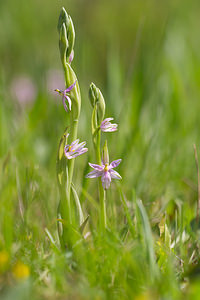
<point x="78" y="205"/>
<point x="147" y="237"/>
<point x="127" y="213"/>
<point x="82" y="226"/>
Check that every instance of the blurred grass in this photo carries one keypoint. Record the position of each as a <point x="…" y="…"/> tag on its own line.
<point x="144" y="55"/>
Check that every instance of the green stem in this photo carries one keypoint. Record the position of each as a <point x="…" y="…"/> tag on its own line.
<point x="73" y="130"/>
<point x="102" y="194"/>
<point x="65" y="204"/>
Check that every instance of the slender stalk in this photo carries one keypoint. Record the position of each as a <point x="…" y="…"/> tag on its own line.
<point x="70" y="77"/>
<point x="102" y="193"/>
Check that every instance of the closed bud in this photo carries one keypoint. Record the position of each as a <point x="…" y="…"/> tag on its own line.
<point x="70" y="37"/>
<point x="65" y="19"/>
<point x="96" y="99"/>
<point x="63" y="43"/>
<point x="105" y="153"/>
<point x="93" y="94"/>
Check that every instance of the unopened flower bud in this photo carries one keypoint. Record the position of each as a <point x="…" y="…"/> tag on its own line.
<point x="93" y="94"/>
<point x="63" y="43"/>
<point x="71" y="57"/>
<point x="105" y="154"/>
<point x="65" y="19"/>
<point x="96" y="98"/>
<point x="70" y="37"/>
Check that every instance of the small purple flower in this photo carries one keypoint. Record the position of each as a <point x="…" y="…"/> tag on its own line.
<point x="106" y="172"/>
<point x="75" y="149"/>
<point x="107" y="126"/>
<point x="65" y="96"/>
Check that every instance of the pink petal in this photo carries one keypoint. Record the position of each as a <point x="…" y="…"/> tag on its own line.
<point x="108" y="120"/>
<point x="94" y="174"/>
<point x="109" y="129"/>
<point x="70" y="87"/>
<point x="96" y="167"/>
<point x="106" y="180"/>
<point x="115" y="163"/>
<point x="74" y="143"/>
<point x="80" y="152"/>
<point x="67" y="154"/>
<point x="78" y="147"/>
<point x="115" y="174"/>
<point x="64" y="104"/>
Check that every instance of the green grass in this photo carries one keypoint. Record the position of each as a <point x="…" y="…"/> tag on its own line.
<point x="147" y="66"/>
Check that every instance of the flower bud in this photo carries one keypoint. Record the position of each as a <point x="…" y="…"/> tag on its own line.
<point x="65" y="19"/>
<point x="63" y="43"/>
<point x="71" y="57"/>
<point x="93" y="94"/>
<point x="96" y="99"/>
<point x="70" y="37"/>
<point x="105" y="153"/>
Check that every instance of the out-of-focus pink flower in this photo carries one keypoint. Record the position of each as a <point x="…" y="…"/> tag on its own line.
<point x="107" y="126"/>
<point x="106" y="172"/>
<point x="23" y="90"/>
<point x="75" y="149"/>
<point x="65" y="96"/>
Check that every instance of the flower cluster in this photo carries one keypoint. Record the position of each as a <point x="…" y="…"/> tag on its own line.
<point x="105" y="171"/>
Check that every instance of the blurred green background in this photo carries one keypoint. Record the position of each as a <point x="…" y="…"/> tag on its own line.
<point x="145" y="58"/>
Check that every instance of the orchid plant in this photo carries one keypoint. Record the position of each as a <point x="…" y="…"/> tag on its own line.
<point x="70" y="148"/>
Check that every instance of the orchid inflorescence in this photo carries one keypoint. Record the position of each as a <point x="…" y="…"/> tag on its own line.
<point x="69" y="150"/>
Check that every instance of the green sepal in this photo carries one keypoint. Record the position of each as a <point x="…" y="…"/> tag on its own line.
<point x="78" y="204"/>
<point x="63" y="43"/>
<point x="63" y="18"/>
<point x="70" y="37"/>
<point x="94" y="122"/>
<point x="105" y="153"/>
<point x="93" y="94"/>
<point x="61" y="163"/>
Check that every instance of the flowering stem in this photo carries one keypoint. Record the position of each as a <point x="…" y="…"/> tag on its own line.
<point x="73" y="128"/>
<point x="102" y="194"/>
<point x="65" y="204"/>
